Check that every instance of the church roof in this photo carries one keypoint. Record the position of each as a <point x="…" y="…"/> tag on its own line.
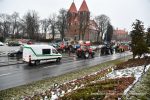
<point x="73" y="8"/>
<point x="84" y="7"/>
<point x="120" y="31"/>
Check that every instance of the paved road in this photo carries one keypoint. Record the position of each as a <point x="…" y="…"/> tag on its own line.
<point x="20" y="74"/>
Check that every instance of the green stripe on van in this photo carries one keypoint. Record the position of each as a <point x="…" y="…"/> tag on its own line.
<point x="39" y="54"/>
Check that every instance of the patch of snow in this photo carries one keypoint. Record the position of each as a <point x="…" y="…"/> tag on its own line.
<point x="69" y="90"/>
<point x="73" y="83"/>
<point x="76" y="87"/>
<point x="46" y="98"/>
<point x="134" y="71"/>
<point x="82" y="85"/>
<point x="62" y="93"/>
<point x="147" y="54"/>
<point x="54" y="96"/>
<point x="58" y="92"/>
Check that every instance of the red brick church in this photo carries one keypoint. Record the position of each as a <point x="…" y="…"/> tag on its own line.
<point x="80" y="26"/>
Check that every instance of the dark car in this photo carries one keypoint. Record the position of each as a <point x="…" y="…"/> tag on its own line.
<point x="106" y="50"/>
<point x="30" y="42"/>
<point x="13" y="43"/>
<point x="85" y="52"/>
<point x="16" y="53"/>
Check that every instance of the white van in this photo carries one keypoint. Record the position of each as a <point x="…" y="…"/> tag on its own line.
<point x="36" y="53"/>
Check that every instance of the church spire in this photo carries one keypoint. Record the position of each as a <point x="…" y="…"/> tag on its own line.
<point x="84" y="7"/>
<point x="73" y="8"/>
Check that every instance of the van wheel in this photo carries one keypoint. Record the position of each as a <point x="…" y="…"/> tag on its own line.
<point x="37" y="62"/>
<point x="58" y="59"/>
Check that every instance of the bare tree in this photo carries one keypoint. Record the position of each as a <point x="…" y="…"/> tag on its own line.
<point x="62" y="22"/>
<point x="22" y="28"/>
<point x="102" y="22"/>
<point x="5" y="25"/>
<point x="15" y="23"/>
<point x="45" y="24"/>
<point x="53" y="20"/>
<point x="31" y="20"/>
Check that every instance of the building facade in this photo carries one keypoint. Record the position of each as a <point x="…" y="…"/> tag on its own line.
<point x="121" y="35"/>
<point x="80" y="26"/>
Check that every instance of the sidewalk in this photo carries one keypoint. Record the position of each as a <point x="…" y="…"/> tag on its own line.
<point x="3" y="54"/>
<point x="10" y="63"/>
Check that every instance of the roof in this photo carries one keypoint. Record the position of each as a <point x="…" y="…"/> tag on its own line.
<point x="84" y="7"/>
<point x="38" y="46"/>
<point x="93" y="25"/>
<point x="120" y="32"/>
<point x="73" y="8"/>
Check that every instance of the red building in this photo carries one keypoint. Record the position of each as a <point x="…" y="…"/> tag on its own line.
<point x="121" y="35"/>
<point x="79" y="24"/>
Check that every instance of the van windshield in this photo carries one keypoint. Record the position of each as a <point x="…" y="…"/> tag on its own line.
<point x="55" y="51"/>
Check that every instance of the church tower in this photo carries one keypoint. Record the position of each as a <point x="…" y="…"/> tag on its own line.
<point x="72" y="12"/>
<point x="83" y="17"/>
<point x="78" y="21"/>
<point x="72" y="20"/>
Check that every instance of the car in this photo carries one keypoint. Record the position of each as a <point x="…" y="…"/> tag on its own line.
<point x="16" y="53"/>
<point x="85" y="52"/>
<point x="29" y="42"/>
<point x="13" y="43"/>
<point x="1" y="44"/>
<point x="106" y="50"/>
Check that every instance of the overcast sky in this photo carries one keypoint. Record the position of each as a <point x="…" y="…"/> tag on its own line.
<point x="121" y="12"/>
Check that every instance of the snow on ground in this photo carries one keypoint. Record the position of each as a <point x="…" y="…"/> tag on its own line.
<point x="146" y="54"/>
<point x="128" y="72"/>
<point x="134" y="71"/>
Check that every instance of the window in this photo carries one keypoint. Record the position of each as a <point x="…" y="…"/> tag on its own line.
<point x="46" y="51"/>
<point x="54" y="51"/>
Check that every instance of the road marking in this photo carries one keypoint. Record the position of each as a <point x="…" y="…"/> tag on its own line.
<point x="5" y="74"/>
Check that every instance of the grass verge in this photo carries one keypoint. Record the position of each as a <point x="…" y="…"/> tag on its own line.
<point x="141" y="91"/>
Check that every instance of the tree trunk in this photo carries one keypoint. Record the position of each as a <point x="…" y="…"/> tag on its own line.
<point x="98" y="36"/>
<point x="53" y="33"/>
<point x="79" y="35"/>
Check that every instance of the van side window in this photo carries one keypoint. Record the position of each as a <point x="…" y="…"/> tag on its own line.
<point x="54" y="51"/>
<point x="46" y="51"/>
